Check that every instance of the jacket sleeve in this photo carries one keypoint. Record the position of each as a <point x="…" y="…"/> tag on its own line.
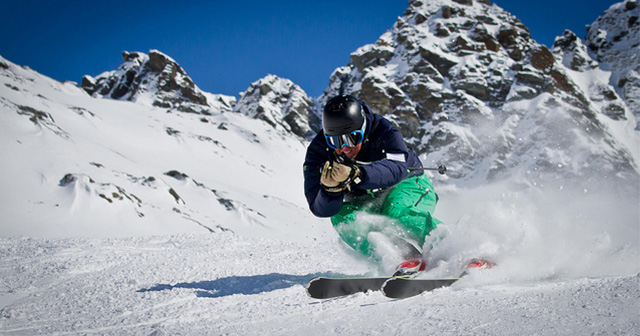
<point x="393" y="168"/>
<point x="321" y="203"/>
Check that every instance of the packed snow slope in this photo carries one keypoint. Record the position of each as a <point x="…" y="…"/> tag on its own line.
<point x="138" y="204"/>
<point x="225" y="284"/>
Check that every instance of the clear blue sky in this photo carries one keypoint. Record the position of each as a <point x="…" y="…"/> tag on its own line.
<point x="226" y="45"/>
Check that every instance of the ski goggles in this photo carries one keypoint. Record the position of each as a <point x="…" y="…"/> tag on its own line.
<point x="350" y="139"/>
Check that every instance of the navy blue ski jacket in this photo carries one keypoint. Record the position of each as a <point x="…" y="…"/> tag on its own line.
<point x="383" y="160"/>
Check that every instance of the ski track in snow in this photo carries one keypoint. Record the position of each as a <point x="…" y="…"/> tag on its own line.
<point x="225" y="284"/>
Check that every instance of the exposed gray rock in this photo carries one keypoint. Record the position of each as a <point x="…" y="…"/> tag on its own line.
<point x="465" y="81"/>
<point x="280" y="103"/>
<point x="157" y="79"/>
<point x="614" y="41"/>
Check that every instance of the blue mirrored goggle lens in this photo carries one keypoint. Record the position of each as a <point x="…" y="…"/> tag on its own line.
<point x="350" y="139"/>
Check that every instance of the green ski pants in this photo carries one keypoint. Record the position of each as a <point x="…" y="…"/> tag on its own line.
<point x="407" y="208"/>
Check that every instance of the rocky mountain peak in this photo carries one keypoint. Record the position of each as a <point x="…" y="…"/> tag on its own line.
<point x="614" y="41"/>
<point x="280" y="103"/>
<point x="157" y="79"/>
<point x="441" y="52"/>
<point x="598" y="95"/>
<point x="575" y="55"/>
<point x="468" y="85"/>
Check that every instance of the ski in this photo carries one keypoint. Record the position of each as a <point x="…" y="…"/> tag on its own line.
<point x="396" y="287"/>
<point x="400" y="288"/>
<point x="326" y="288"/>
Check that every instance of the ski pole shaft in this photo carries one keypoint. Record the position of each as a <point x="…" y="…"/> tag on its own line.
<point x="442" y="169"/>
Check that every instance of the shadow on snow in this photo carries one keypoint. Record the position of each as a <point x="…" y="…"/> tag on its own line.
<point x="246" y="285"/>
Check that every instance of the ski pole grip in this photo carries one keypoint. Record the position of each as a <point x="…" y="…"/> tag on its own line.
<point x="442" y="169"/>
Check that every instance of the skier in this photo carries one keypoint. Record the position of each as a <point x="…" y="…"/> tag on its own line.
<point x="359" y="164"/>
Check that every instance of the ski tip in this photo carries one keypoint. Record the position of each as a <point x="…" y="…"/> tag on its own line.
<point x="308" y="288"/>
<point x="310" y="283"/>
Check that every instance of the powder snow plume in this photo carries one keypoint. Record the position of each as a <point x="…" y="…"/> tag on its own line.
<point x="566" y="232"/>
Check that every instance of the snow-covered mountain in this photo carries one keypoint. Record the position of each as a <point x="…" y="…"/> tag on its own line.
<point x="139" y="204"/>
<point x="280" y="103"/>
<point x="463" y="79"/>
<point x="157" y="80"/>
<point x="614" y="41"/>
<point x="470" y="88"/>
<point x="104" y="167"/>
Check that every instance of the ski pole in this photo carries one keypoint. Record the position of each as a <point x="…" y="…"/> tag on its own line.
<point x="441" y="169"/>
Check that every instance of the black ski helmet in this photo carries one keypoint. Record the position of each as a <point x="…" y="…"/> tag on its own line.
<point x="342" y="114"/>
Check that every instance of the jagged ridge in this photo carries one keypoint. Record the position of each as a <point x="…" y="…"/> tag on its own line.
<point x="156" y="79"/>
<point x="468" y="86"/>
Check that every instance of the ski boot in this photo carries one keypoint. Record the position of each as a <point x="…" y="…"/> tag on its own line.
<point x="479" y="264"/>
<point x="410" y="267"/>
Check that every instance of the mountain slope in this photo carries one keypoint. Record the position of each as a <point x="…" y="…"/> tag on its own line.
<point x="102" y="167"/>
<point x="469" y="87"/>
<point x="614" y="41"/>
